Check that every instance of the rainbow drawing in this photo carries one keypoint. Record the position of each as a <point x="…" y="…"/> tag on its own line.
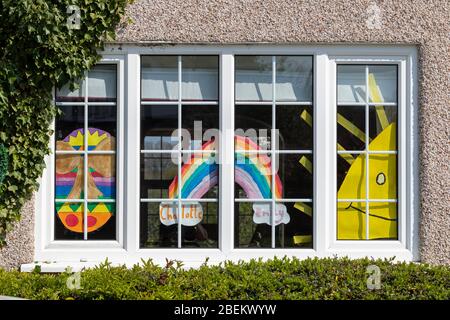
<point x="252" y="172"/>
<point x="198" y="175"/>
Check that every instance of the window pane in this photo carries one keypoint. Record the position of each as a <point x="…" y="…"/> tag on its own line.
<point x="382" y="83"/>
<point x="69" y="128"/>
<point x="383" y="128"/>
<point x="200" y="77"/>
<point x="383" y="220"/>
<point x="351" y="176"/>
<point x="101" y="221"/>
<point x="253" y="78"/>
<point x="158" y="124"/>
<point x="251" y="225"/>
<point x="255" y="124"/>
<point x="69" y="176"/>
<point x="294" y="78"/>
<point x="352" y="221"/>
<point x="351" y="128"/>
<point x="294" y="124"/>
<point x="157" y="226"/>
<point x="157" y="174"/>
<point x="159" y="78"/>
<point x="355" y="220"/>
<point x="69" y="221"/>
<point x="64" y="94"/>
<point x="351" y="83"/>
<point x="295" y="231"/>
<point x="201" y="123"/>
<point x="102" y="83"/>
<point x="102" y="127"/>
<point x="295" y="172"/>
<point x="200" y="225"/>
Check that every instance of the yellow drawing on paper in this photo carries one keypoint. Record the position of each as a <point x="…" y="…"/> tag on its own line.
<point x="351" y="216"/>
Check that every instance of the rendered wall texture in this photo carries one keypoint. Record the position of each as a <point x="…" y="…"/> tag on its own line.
<point x="20" y="248"/>
<point x="413" y="22"/>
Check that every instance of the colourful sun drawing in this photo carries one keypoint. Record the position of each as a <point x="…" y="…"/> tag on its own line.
<point x="69" y="182"/>
<point x="351" y="216"/>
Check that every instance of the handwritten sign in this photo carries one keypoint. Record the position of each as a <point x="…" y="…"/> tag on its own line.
<point x="261" y="214"/>
<point x="191" y="213"/>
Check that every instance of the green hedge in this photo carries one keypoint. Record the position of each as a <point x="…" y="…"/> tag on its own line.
<point x="275" y="279"/>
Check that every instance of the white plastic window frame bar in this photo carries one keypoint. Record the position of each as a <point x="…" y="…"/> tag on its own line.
<point x="404" y="123"/>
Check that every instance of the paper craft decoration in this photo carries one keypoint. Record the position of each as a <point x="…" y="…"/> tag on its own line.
<point x="69" y="182"/>
<point x="262" y="214"/>
<point x="382" y="185"/>
<point x="191" y="213"/>
<point x="252" y="174"/>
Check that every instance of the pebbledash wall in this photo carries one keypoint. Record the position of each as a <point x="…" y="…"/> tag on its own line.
<point x="425" y="24"/>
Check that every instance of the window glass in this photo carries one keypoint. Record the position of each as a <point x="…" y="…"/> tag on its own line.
<point x="351" y="83"/>
<point x="273" y="152"/>
<point x="253" y="78"/>
<point x="102" y="83"/>
<point x="367" y="155"/>
<point x="382" y="83"/>
<point x="85" y="177"/>
<point x="65" y="94"/>
<point x="294" y="78"/>
<point x="170" y="218"/>
<point x="200" y="77"/>
<point x="159" y="78"/>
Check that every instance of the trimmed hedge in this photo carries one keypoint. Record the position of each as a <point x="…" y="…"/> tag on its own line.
<point x="275" y="279"/>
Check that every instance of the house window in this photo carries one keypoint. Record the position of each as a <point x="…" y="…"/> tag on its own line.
<point x="179" y="103"/>
<point x="85" y="158"/>
<point x="367" y="152"/>
<point x="233" y="152"/>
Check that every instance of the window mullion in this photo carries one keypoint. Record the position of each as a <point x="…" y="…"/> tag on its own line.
<point x="367" y="150"/>
<point x="273" y="147"/>
<point x="226" y="154"/>
<point x="324" y="149"/>
<point x="85" y="159"/>
<point x="179" y="151"/>
<point x="132" y="154"/>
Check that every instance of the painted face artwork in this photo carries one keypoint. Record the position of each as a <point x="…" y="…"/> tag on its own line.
<point x="382" y="185"/>
<point x="100" y="180"/>
<point x="379" y="221"/>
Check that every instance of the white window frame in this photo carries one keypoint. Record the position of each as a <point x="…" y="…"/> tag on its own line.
<point x="126" y="250"/>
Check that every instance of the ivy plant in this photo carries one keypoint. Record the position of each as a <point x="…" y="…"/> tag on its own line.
<point x="3" y="162"/>
<point x="44" y="44"/>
